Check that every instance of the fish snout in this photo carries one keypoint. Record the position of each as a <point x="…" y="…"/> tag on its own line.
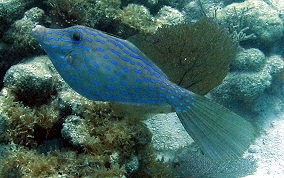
<point x="38" y="31"/>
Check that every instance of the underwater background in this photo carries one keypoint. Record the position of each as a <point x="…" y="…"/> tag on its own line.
<point x="230" y="51"/>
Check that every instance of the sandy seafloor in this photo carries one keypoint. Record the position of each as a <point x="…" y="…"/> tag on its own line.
<point x="265" y="157"/>
<point x="268" y="148"/>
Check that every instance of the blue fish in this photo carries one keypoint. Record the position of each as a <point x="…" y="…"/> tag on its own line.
<point x="102" y="67"/>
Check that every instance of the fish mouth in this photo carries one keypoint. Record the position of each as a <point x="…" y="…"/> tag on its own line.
<point x="38" y="31"/>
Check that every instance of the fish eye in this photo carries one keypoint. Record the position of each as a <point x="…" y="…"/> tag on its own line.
<point x="77" y="36"/>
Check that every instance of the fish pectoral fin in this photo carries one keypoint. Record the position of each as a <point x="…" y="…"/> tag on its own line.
<point x="220" y="133"/>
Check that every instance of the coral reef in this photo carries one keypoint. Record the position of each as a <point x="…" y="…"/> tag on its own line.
<point x="275" y="64"/>
<point x="10" y="10"/>
<point x="21" y="162"/>
<point x="189" y="54"/>
<point x="278" y="5"/>
<point x="170" y="16"/>
<point x="3" y="124"/>
<point x="75" y="130"/>
<point x="245" y="87"/>
<point x="261" y="19"/>
<point x="248" y="60"/>
<point x="67" y="12"/>
<point x="19" y="37"/>
<point x="193" y="11"/>
<point x="138" y="16"/>
<point x="18" y="42"/>
<point x="130" y="19"/>
<point x="63" y="133"/>
<point x="30" y="126"/>
<point x="48" y="130"/>
<point x="31" y="82"/>
<point x="250" y="75"/>
<point x="102" y="15"/>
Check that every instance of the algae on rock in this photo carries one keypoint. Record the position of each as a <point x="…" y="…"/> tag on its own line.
<point x="103" y="145"/>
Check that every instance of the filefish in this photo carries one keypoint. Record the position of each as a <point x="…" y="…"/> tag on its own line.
<point x="102" y="67"/>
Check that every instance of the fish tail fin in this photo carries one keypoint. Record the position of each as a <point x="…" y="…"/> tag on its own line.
<point x="220" y="133"/>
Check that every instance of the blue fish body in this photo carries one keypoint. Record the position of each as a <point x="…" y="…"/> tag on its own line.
<point x="105" y="68"/>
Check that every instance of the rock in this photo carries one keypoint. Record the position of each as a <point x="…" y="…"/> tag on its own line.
<point x="18" y="41"/>
<point x="132" y="165"/>
<point x="31" y="82"/>
<point x="169" y="136"/>
<point x="174" y="3"/>
<point x="35" y="15"/>
<point x="246" y="87"/>
<point x="279" y="6"/>
<point x="248" y="60"/>
<point x="3" y="122"/>
<point x="251" y="76"/>
<point x="74" y="130"/>
<point x="19" y="35"/>
<point x="274" y="64"/>
<point x="138" y="17"/>
<point x="164" y="136"/>
<point x="10" y="10"/>
<point x="51" y="145"/>
<point x="169" y="15"/>
<point x="193" y="11"/>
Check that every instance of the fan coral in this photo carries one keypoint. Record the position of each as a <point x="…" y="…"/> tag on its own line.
<point x="194" y="56"/>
